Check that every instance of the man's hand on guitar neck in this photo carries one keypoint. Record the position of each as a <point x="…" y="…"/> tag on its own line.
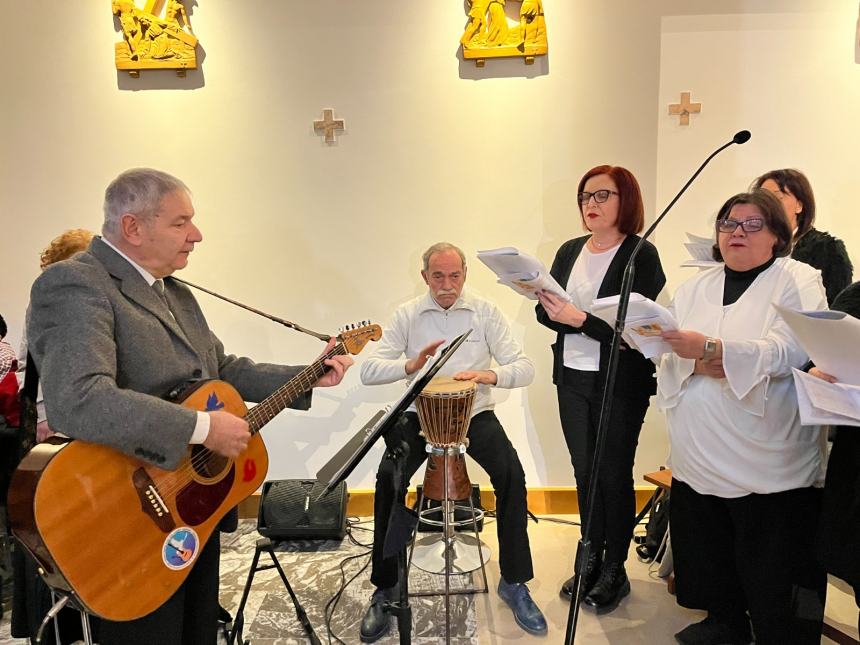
<point x="337" y="364"/>
<point x="228" y="434"/>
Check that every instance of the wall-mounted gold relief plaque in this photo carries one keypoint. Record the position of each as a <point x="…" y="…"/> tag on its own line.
<point x="153" y="41"/>
<point x="489" y="34"/>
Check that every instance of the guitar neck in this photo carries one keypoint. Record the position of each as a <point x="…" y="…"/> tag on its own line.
<point x="281" y="398"/>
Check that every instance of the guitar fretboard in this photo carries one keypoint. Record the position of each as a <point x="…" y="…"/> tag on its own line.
<point x="281" y="398"/>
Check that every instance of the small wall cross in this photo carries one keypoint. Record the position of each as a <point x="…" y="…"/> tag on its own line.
<point x="684" y="109"/>
<point x="328" y="125"/>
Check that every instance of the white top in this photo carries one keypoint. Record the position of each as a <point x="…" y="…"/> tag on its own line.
<point x="742" y="434"/>
<point x="421" y="321"/>
<point x="580" y="351"/>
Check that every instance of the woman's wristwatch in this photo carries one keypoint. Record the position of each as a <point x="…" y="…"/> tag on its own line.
<point x="710" y="349"/>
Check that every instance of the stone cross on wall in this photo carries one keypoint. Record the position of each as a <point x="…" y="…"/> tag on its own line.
<point x="328" y="125"/>
<point x="684" y="109"/>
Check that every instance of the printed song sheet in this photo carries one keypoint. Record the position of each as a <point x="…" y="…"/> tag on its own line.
<point x="521" y="272"/>
<point x="646" y="320"/>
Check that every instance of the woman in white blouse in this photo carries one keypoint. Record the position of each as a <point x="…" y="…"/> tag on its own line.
<point x="743" y="467"/>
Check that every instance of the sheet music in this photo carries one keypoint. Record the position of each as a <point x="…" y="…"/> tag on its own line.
<point x="701" y="252"/>
<point x="830" y="338"/>
<point x="646" y="320"/>
<point x="521" y="272"/>
<point x="823" y="403"/>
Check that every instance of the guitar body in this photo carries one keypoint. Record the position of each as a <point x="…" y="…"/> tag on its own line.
<point x="123" y="534"/>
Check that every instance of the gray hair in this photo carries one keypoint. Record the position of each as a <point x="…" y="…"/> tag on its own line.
<point x="138" y="191"/>
<point x="441" y="247"/>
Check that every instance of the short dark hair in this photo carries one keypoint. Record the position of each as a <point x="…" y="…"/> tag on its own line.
<point x="795" y="182"/>
<point x="3" y="328"/>
<point x="772" y="213"/>
<point x="631" y="212"/>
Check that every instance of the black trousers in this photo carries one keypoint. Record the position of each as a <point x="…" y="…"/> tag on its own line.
<point x="491" y="448"/>
<point x="189" y="617"/>
<point x="579" y="398"/>
<point x="751" y="553"/>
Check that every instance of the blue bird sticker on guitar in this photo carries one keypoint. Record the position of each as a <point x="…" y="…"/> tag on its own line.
<point x="212" y="403"/>
<point x="179" y="548"/>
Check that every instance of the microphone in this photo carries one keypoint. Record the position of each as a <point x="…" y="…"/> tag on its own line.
<point x="741" y="137"/>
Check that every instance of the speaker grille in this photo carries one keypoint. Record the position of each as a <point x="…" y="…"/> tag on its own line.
<point x="289" y="510"/>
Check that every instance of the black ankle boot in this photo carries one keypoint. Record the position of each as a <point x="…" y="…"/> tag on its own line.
<point x="610" y="588"/>
<point x="377" y="618"/>
<point x="592" y="573"/>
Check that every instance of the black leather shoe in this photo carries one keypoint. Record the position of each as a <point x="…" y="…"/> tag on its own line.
<point x="377" y="618"/>
<point x="592" y="573"/>
<point x="712" y="631"/>
<point x="610" y="588"/>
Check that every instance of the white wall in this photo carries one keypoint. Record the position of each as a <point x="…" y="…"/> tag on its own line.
<point x="435" y="149"/>
<point x="792" y="80"/>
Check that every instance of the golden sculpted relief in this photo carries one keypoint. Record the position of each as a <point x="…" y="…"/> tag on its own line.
<point x="489" y="34"/>
<point x="151" y="41"/>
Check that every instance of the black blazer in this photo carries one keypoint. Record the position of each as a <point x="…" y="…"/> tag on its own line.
<point x="635" y="377"/>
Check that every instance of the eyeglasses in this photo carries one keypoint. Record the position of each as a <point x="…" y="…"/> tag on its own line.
<point x="600" y="196"/>
<point x="752" y="225"/>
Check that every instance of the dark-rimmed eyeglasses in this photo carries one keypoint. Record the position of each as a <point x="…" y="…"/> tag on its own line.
<point x="600" y="196"/>
<point x="751" y="225"/>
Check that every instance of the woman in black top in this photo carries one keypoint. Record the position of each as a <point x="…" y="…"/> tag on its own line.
<point x="840" y="514"/>
<point x="810" y="246"/>
<point x="589" y="267"/>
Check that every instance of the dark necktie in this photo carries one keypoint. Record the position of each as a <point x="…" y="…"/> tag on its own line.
<point x="158" y="287"/>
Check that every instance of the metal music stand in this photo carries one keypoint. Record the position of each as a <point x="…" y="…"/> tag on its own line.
<point x="347" y="458"/>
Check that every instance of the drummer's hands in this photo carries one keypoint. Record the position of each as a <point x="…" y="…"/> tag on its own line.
<point x="485" y="377"/>
<point x="415" y="364"/>
<point x="337" y="364"/>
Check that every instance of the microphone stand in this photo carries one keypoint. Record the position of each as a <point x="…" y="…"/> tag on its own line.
<point x="285" y="323"/>
<point x="583" y="549"/>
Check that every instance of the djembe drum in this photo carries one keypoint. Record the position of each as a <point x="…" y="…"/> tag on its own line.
<point x="444" y="413"/>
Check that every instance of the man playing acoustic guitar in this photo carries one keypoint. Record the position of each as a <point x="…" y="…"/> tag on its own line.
<point x="111" y="334"/>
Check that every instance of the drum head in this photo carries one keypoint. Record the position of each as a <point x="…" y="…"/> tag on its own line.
<point x="446" y="386"/>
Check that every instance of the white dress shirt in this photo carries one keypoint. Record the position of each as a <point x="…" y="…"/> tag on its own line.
<point x="421" y="321"/>
<point x="742" y="434"/>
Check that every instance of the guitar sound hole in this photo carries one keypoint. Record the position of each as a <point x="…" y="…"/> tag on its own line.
<point x="207" y="464"/>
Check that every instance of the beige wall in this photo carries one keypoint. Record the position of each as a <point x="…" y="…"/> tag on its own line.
<point x="435" y="149"/>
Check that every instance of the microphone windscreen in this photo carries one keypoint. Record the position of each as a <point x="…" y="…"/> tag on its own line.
<point x="741" y="137"/>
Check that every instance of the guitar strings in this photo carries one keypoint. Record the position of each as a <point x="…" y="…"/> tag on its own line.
<point x="173" y="483"/>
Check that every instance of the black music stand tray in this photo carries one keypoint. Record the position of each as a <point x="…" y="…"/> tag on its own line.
<point x="347" y="458"/>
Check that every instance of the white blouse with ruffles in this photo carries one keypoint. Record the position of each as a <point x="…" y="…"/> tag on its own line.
<point x="742" y="434"/>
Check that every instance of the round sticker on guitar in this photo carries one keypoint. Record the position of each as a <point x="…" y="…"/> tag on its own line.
<point x="180" y="548"/>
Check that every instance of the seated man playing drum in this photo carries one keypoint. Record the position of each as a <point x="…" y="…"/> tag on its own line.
<point x="418" y="328"/>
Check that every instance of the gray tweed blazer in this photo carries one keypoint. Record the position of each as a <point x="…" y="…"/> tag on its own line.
<point x="107" y="349"/>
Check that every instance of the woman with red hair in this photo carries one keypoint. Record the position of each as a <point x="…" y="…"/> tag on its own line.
<point x="589" y="267"/>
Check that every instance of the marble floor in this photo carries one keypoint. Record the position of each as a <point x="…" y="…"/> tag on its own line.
<point x="649" y="615"/>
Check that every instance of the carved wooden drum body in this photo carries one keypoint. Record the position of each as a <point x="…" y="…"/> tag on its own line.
<point x="444" y="412"/>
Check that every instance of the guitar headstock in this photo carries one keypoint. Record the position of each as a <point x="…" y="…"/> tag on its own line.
<point x="354" y="337"/>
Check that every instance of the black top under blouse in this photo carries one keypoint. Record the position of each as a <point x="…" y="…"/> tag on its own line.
<point x="739" y="281"/>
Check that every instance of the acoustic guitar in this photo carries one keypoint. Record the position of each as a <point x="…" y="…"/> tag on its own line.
<point x="121" y="534"/>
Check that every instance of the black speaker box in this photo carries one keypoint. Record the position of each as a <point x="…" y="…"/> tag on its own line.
<point x="289" y="510"/>
<point x="459" y="515"/>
